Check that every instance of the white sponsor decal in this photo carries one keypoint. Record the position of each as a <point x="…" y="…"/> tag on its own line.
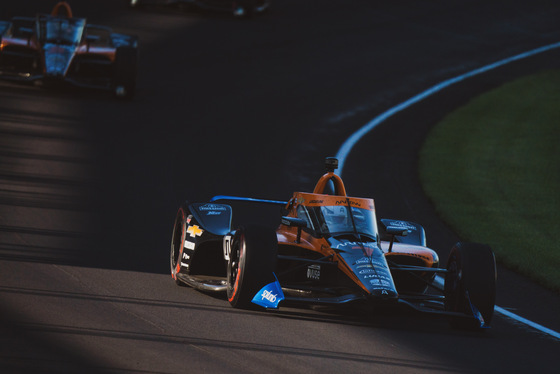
<point x="373" y="264"/>
<point x="367" y="262"/>
<point x="269" y="296"/>
<point x="358" y="244"/>
<point x="227" y="246"/>
<point x="403" y="224"/>
<point x="188" y="245"/>
<point x="363" y="260"/>
<point x="376" y="276"/>
<point x="314" y="272"/>
<point x="214" y="207"/>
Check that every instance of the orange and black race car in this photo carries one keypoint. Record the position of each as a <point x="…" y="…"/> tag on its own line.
<point x="239" y="8"/>
<point x="59" y="48"/>
<point x="328" y="249"/>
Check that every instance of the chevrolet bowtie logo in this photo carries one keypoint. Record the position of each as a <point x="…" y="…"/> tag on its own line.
<point x="195" y="231"/>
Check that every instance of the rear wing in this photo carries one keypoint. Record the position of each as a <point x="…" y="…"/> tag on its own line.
<point x="104" y="35"/>
<point x="123" y="40"/>
<point x="21" y="27"/>
<point x="216" y="217"/>
<point x="246" y="199"/>
<point x="100" y="35"/>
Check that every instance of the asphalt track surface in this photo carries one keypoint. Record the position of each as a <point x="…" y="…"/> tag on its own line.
<point x="89" y="185"/>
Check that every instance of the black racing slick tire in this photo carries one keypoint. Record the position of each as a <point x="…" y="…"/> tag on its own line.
<point x="470" y="281"/>
<point x="177" y="240"/>
<point x="125" y="71"/>
<point x="251" y="264"/>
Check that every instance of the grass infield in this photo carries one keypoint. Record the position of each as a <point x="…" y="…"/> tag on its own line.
<point x="492" y="170"/>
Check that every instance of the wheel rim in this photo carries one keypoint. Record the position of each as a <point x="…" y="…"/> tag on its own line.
<point x="451" y="286"/>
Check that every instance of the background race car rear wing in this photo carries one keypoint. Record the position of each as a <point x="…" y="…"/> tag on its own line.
<point x="21" y="27"/>
<point x="105" y="35"/>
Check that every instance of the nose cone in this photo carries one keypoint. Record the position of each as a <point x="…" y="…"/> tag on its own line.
<point x="370" y="267"/>
<point x="57" y="60"/>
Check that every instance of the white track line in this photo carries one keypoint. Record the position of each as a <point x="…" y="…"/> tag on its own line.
<point x="347" y="146"/>
<point x="438" y="281"/>
<point x="525" y="321"/>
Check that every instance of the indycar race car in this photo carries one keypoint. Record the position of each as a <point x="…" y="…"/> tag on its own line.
<point x="59" y="48"/>
<point x="328" y="250"/>
<point x="239" y="8"/>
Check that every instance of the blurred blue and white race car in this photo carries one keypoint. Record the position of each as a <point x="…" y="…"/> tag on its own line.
<point x="58" y="48"/>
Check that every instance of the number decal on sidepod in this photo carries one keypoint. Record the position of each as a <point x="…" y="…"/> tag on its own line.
<point x="227" y="246"/>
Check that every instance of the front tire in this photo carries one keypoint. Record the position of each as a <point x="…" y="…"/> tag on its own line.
<point x="177" y="243"/>
<point x="470" y="281"/>
<point x="251" y="264"/>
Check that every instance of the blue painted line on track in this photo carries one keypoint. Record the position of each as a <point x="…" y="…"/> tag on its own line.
<point x="349" y="144"/>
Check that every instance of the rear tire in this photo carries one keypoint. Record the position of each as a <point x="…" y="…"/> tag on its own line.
<point x="471" y="276"/>
<point x="251" y="264"/>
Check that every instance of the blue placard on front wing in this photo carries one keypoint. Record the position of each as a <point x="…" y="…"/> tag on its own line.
<point x="269" y="296"/>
